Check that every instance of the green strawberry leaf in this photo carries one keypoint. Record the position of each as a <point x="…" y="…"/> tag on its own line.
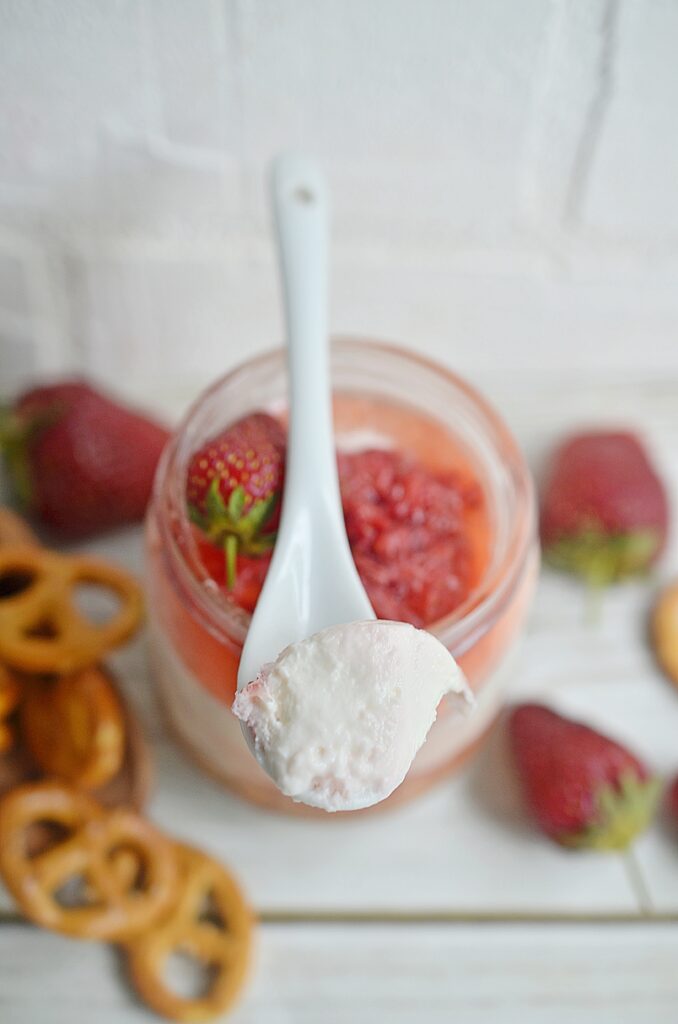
<point x="236" y="504"/>
<point x="215" y="504"/>
<point x="227" y="527"/>
<point x="196" y="517"/>
<point x="17" y="431"/>
<point x="622" y="813"/>
<point x="259" y="514"/>
<point x="260" y="545"/>
<point x="602" y="558"/>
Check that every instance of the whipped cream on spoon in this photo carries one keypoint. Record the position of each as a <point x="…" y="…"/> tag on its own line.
<point x="338" y="717"/>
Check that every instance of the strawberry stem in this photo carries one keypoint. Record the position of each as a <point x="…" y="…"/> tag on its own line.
<point x="231" y="552"/>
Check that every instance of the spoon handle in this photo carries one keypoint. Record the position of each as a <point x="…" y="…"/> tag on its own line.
<point x="301" y="210"/>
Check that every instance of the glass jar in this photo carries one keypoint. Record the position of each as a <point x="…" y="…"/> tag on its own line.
<point x="197" y="632"/>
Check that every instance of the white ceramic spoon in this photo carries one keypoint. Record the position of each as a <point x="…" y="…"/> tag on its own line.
<point x="312" y="581"/>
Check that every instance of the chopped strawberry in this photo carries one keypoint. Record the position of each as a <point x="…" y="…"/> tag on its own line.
<point x="251" y="573"/>
<point x="604" y="509"/>
<point x="408" y="532"/>
<point x="233" y="488"/>
<point x="584" y="789"/>
<point x="80" y="462"/>
<point x="213" y="558"/>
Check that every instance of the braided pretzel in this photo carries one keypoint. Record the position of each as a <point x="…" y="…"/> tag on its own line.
<point x="114" y="904"/>
<point x="73" y="727"/>
<point x="220" y="942"/>
<point x="41" y="629"/>
<point x="13" y="529"/>
<point x="9" y="698"/>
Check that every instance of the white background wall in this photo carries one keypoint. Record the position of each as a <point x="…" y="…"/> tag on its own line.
<point x="504" y="176"/>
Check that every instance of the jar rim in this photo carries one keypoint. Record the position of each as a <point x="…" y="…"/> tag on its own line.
<point x="459" y="629"/>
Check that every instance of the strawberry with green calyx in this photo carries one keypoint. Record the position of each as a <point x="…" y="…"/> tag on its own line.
<point x="233" y="488"/>
<point x="584" y="789"/>
<point x="79" y="461"/>
<point x="604" y="509"/>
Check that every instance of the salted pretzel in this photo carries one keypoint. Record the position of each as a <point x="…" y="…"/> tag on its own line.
<point x="41" y="629"/>
<point x="73" y="727"/>
<point x="210" y="922"/>
<point x="14" y="530"/>
<point x="9" y="698"/>
<point x="107" y="900"/>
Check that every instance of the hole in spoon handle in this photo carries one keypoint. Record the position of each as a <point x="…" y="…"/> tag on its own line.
<point x="303" y="195"/>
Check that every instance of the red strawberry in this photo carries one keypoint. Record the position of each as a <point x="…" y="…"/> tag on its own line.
<point x="672" y="800"/>
<point x="584" y="789"/>
<point x="604" y="510"/>
<point x="80" y="462"/>
<point x="233" y="487"/>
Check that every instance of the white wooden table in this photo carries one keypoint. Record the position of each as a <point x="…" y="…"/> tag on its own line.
<point x="452" y="908"/>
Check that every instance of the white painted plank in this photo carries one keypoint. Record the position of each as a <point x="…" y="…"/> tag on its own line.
<point x="134" y="139"/>
<point x="449" y="851"/>
<point x="344" y="77"/>
<point x="567" y="78"/>
<point x="641" y="106"/>
<point x="193" y="74"/>
<point x="340" y="974"/>
<point x="463" y="848"/>
<point x="177" y="315"/>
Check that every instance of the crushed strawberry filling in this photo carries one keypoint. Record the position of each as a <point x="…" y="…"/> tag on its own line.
<point x="411" y="533"/>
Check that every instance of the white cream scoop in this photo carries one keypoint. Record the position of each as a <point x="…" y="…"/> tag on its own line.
<point x="337" y="718"/>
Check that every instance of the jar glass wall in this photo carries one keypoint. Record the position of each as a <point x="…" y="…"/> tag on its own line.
<point x="197" y="632"/>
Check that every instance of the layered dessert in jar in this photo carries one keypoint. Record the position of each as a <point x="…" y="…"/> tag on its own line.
<point x="438" y="507"/>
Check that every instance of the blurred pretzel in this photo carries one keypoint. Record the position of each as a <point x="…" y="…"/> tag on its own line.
<point x="209" y="921"/>
<point x="14" y="530"/>
<point x="74" y="728"/>
<point x="112" y="902"/>
<point x="41" y="629"/>
<point x="9" y="698"/>
<point x="664" y="629"/>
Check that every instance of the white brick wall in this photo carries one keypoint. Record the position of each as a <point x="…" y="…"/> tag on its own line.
<point x="504" y="180"/>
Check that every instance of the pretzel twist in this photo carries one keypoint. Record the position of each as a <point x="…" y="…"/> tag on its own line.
<point x="73" y="727"/>
<point x="41" y="629"/>
<point x="112" y="904"/>
<point x="219" y="940"/>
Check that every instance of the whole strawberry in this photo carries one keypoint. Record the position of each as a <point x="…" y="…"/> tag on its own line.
<point x="583" y="789"/>
<point x="604" y="509"/>
<point x="233" y="487"/>
<point x="79" y="462"/>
